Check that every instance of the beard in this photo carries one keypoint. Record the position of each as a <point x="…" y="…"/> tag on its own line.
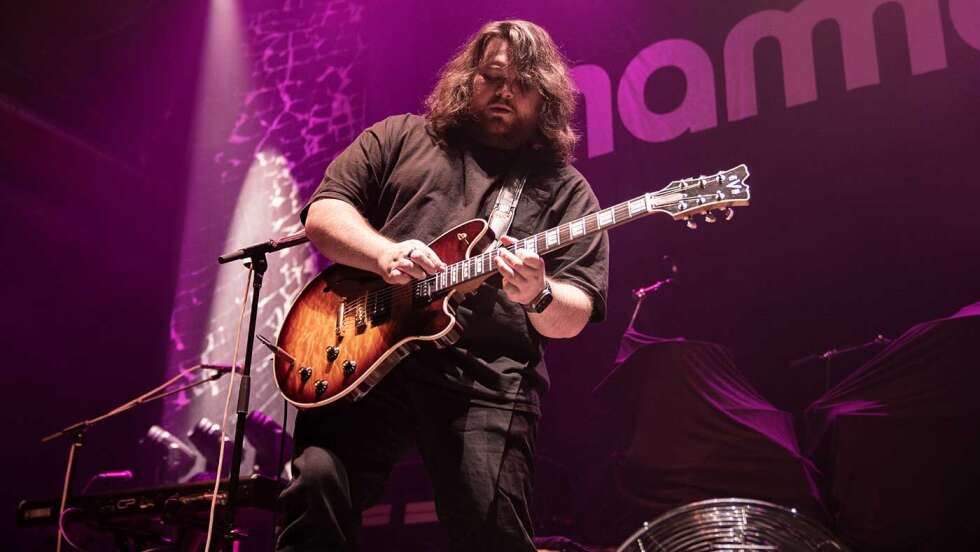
<point x="504" y="130"/>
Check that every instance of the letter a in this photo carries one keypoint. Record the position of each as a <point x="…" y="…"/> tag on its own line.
<point x="697" y="112"/>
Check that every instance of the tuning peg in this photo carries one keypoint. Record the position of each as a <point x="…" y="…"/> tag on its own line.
<point x="728" y="213"/>
<point x="692" y="224"/>
<point x="709" y="217"/>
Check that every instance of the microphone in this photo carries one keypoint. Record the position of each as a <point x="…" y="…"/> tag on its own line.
<point x="262" y="248"/>
<point x="640" y="293"/>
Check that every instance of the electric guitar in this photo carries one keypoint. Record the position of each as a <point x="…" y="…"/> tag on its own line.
<point x="348" y="328"/>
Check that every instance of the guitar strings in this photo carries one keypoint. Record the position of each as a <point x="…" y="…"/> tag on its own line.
<point x="390" y="293"/>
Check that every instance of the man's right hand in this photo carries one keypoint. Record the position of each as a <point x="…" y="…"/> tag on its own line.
<point x="400" y="262"/>
<point x="341" y="233"/>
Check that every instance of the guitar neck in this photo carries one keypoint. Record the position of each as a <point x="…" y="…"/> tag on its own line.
<point x="681" y="199"/>
<point x="543" y="243"/>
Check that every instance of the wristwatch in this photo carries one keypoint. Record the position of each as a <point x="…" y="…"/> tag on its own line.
<point x="541" y="301"/>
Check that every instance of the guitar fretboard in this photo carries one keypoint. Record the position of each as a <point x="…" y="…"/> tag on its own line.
<point x="543" y="243"/>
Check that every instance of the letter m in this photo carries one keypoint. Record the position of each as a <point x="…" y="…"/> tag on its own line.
<point x="794" y="31"/>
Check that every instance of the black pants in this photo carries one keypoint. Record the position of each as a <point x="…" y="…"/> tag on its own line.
<point x="480" y="460"/>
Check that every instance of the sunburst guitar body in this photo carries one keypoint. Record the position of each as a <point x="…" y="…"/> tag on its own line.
<point x="348" y="328"/>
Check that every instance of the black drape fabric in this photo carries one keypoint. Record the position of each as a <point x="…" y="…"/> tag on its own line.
<point x="899" y="439"/>
<point x="697" y="430"/>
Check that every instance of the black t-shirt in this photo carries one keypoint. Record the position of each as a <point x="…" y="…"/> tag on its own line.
<point x="409" y="187"/>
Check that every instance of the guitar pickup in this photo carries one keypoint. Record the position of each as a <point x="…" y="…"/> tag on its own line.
<point x="379" y="307"/>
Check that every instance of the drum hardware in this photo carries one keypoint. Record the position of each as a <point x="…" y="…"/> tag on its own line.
<point x="732" y="524"/>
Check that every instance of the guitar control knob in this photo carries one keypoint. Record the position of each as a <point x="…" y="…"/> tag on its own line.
<point x="305" y="373"/>
<point x="332" y="353"/>
<point x="710" y="218"/>
<point x="350" y="367"/>
<point x="729" y="213"/>
<point x="320" y="387"/>
<point x="692" y="224"/>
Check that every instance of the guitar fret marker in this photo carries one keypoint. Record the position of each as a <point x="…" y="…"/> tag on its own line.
<point x="637" y="205"/>
<point x="531" y="245"/>
<point x="479" y="264"/>
<point x="454" y="276"/>
<point x="577" y="228"/>
<point x="551" y="238"/>
<point x="606" y="217"/>
<point x="466" y="270"/>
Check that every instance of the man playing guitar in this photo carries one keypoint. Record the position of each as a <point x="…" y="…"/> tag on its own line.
<point x="499" y="112"/>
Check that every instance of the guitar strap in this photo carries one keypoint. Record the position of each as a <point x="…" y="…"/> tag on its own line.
<point x="505" y="206"/>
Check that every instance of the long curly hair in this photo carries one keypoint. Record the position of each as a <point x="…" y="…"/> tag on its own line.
<point x="538" y="62"/>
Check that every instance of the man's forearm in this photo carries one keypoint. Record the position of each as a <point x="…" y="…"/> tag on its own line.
<point x="567" y="314"/>
<point x="342" y="234"/>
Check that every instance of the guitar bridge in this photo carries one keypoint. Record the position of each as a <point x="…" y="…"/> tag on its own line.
<point x="360" y="316"/>
<point x="340" y="318"/>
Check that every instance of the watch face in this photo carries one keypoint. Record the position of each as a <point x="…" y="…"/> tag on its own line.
<point x="542" y="301"/>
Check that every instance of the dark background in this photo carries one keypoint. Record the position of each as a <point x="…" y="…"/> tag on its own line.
<point x="863" y="219"/>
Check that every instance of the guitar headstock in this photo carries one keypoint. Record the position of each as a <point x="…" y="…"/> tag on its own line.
<point x="682" y="199"/>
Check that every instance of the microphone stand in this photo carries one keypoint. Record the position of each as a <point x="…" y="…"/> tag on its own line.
<point x="834" y="352"/>
<point x="829" y="355"/>
<point x="641" y="293"/>
<point x="256" y="261"/>
<point x="77" y="431"/>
